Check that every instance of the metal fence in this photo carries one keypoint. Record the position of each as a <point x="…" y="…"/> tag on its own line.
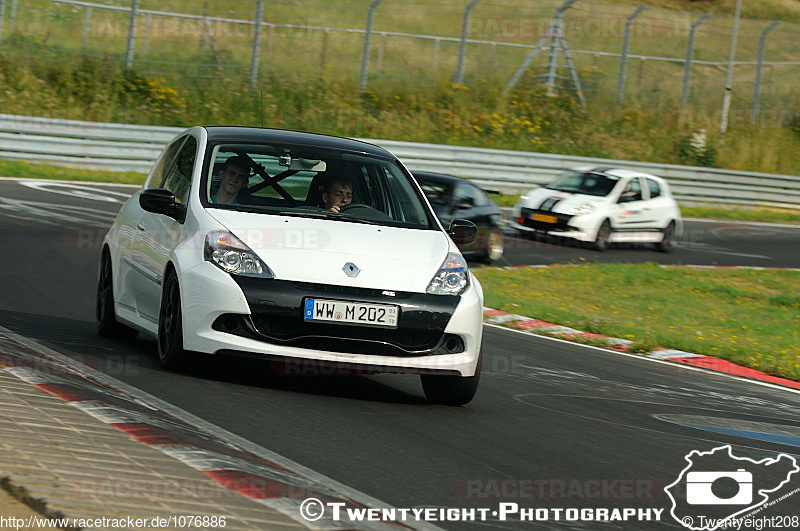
<point x="615" y="53"/>
<point x="119" y="147"/>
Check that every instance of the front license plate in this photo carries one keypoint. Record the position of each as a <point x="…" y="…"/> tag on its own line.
<point x="544" y="218"/>
<point x="383" y="315"/>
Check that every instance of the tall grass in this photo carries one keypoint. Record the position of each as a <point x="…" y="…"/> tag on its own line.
<point x="183" y="76"/>
<point x="100" y="89"/>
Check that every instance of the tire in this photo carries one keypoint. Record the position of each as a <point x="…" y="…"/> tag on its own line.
<point x="668" y="241"/>
<point x="451" y="390"/>
<point x="600" y="242"/>
<point x="170" y="326"/>
<point x="107" y="324"/>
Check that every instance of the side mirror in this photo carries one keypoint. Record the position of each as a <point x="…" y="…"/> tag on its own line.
<point x="463" y="232"/>
<point x="161" y="201"/>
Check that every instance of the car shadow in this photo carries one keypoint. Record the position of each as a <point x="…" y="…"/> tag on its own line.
<point x="306" y="378"/>
<point x="129" y="360"/>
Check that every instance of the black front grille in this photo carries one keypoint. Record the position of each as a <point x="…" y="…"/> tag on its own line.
<point x="292" y="328"/>
<point x="277" y="309"/>
<point x="562" y="220"/>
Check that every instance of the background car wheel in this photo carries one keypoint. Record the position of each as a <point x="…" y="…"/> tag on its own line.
<point x="494" y="248"/>
<point x="451" y="390"/>
<point x="170" y="327"/>
<point x="601" y="240"/>
<point x="668" y="241"/>
<point x="107" y="324"/>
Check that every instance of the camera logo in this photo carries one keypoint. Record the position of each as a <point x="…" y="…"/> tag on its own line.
<point x="700" y="491"/>
<point x="716" y="487"/>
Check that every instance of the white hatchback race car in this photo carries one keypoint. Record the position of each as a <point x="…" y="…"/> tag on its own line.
<point x="296" y="247"/>
<point x="599" y="206"/>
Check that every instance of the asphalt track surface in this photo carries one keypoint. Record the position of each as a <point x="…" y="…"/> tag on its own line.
<point x="551" y="420"/>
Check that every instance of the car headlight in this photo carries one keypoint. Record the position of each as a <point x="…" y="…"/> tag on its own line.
<point x="452" y="277"/>
<point x="230" y="254"/>
<point x="583" y="209"/>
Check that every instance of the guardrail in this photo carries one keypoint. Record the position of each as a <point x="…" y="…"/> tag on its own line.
<point x="121" y="147"/>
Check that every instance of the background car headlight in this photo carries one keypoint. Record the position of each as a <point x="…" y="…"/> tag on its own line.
<point x="452" y="278"/>
<point x="583" y="209"/>
<point x="230" y="254"/>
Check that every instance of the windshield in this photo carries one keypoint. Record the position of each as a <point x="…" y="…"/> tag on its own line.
<point x="588" y="183"/>
<point x="438" y="193"/>
<point x="307" y="181"/>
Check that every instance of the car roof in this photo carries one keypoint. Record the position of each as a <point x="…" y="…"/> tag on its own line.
<point x="235" y="134"/>
<point x="618" y="172"/>
<point x="442" y="177"/>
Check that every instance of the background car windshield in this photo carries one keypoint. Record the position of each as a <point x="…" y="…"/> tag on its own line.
<point x="291" y="179"/>
<point x="438" y="193"/>
<point x="588" y="183"/>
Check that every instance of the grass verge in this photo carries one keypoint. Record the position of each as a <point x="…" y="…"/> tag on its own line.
<point x="771" y="215"/>
<point x="16" y="168"/>
<point x="748" y="317"/>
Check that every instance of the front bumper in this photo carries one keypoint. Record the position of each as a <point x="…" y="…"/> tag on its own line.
<point x="548" y="222"/>
<point x="264" y="317"/>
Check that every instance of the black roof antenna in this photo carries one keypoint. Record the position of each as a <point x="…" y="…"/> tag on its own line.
<point x="262" y="109"/>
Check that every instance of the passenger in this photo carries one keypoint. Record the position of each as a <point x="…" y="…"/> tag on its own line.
<point x="338" y="193"/>
<point x="234" y="176"/>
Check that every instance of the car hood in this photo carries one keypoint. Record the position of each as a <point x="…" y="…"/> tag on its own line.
<point x="316" y="250"/>
<point x="561" y="201"/>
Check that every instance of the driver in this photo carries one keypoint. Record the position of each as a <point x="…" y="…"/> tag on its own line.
<point x="234" y="176"/>
<point x="338" y="193"/>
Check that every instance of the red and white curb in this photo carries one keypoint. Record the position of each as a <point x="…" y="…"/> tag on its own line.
<point x="535" y="326"/>
<point x="281" y="486"/>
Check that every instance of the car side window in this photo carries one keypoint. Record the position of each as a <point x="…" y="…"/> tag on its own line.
<point x="165" y="162"/>
<point x="464" y="195"/>
<point x="480" y="196"/>
<point x="633" y="190"/>
<point x="655" y="189"/>
<point x="400" y="197"/>
<point x="179" y="178"/>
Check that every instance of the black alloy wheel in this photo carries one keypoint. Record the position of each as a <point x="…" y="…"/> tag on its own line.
<point x="107" y="324"/>
<point x="170" y="327"/>
<point x="668" y="241"/>
<point x="603" y="233"/>
<point x="451" y="390"/>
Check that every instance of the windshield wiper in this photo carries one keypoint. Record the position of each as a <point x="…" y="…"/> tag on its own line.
<point x="305" y="214"/>
<point x="334" y="216"/>
<point x="345" y="217"/>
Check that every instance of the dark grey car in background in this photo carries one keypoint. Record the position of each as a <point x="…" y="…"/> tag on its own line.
<point x="456" y="198"/>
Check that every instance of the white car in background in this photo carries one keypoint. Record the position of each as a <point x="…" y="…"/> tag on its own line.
<point x="232" y="248"/>
<point x="599" y="206"/>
